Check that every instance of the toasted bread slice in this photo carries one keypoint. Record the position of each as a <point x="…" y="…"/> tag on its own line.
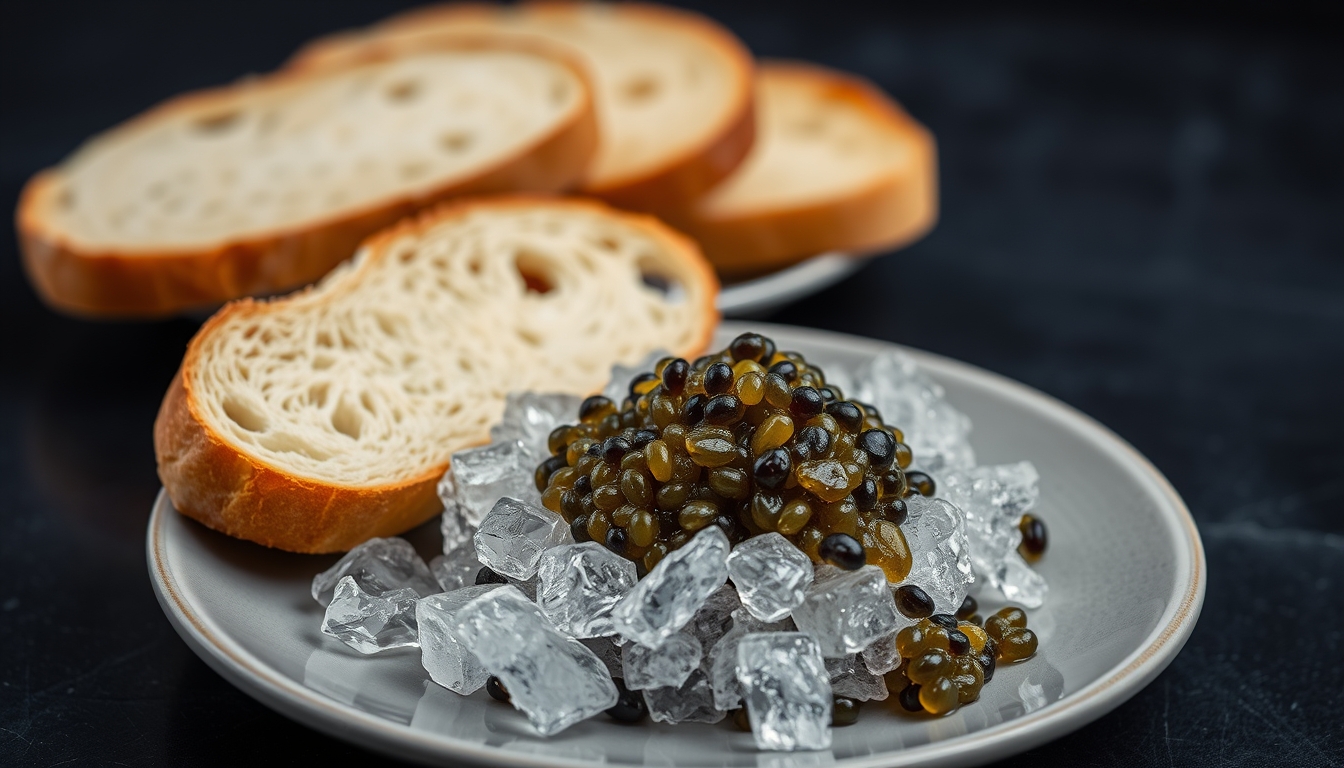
<point x="266" y="184"/>
<point x="837" y="165"/>
<point x="673" y="88"/>
<point x="317" y="421"/>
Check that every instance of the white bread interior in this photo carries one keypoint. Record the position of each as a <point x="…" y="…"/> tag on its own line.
<point x="286" y="153"/>
<point x="372" y="379"/>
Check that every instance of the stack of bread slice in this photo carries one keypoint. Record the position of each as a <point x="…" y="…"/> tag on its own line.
<point x="836" y="164"/>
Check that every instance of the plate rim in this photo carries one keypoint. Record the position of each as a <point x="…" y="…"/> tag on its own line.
<point x="1090" y="702"/>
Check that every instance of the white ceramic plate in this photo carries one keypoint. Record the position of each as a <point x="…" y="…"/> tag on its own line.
<point x="1125" y="566"/>
<point x="753" y="298"/>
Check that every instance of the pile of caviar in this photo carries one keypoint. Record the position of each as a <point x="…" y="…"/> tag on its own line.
<point x="946" y="660"/>
<point x="750" y="439"/>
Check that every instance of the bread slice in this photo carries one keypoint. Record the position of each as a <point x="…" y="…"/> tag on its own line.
<point x="837" y="165"/>
<point x="267" y="184"/>
<point x="673" y="88"/>
<point x="317" y="421"/>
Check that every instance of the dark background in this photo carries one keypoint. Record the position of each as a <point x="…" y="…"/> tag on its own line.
<point x="1143" y="215"/>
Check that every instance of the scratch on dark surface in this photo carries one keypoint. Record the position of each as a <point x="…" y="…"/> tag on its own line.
<point x="1166" y="719"/>
<point x="1253" y="531"/>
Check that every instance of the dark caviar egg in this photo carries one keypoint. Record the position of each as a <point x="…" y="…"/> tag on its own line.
<point x="496" y="689"/>
<point x="843" y="551"/>
<point x="1034" y="538"/>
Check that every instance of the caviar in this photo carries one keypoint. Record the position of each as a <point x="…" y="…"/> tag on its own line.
<point x="946" y="662"/>
<point x="1034" y="538"/>
<point x="496" y="689"/>
<point x="749" y="439"/>
<point x="630" y="706"/>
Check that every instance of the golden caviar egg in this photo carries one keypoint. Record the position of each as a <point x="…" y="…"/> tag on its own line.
<point x="659" y="460"/>
<point x="939" y="696"/>
<point x="794" y="515"/>
<point x="773" y="432"/>
<point x="710" y="446"/>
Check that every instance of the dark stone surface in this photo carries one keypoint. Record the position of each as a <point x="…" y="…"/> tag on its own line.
<point x="1143" y="215"/>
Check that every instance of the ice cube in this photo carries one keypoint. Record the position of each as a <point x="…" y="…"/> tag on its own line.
<point x="787" y="690"/>
<point x="850" y="677"/>
<point x="667" y="667"/>
<point x="1019" y="582"/>
<point x="378" y="566"/>
<point x="847" y="610"/>
<point x="608" y="651"/>
<point x="666" y="599"/>
<point x="530" y="417"/>
<point x="993" y="499"/>
<point x="482" y="476"/>
<point x="771" y="575"/>
<point x="691" y="702"/>
<point x="881" y="656"/>
<point x="457" y="569"/>
<point x="513" y="536"/>
<point x="722" y="657"/>
<point x="371" y="623"/>
<point x="579" y="584"/>
<point x="551" y="678"/>
<point x="910" y="400"/>
<point x="448" y="662"/>
<point x="618" y="387"/>
<point x="941" y="561"/>
<point x="453" y="525"/>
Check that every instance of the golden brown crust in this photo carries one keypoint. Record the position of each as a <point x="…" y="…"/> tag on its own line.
<point x="98" y="282"/>
<point x="216" y="482"/>
<point x="679" y="178"/>
<point x="894" y="210"/>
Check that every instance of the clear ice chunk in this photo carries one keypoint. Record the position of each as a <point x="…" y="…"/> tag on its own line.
<point x="530" y="417"/>
<point x="512" y="538"/>
<point x="851" y="678"/>
<point x="936" y="432"/>
<point x="691" y="702"/>
<point x="847" y="610"/>
<point x="371" y="623"/>
<point x="667" y="667"/>
<point x="579" y="584"/>
<point x="993" y="499"/>
<point x="378" y="566"/>
<point x="722" y="657"/>
<point x="618" y="386"/>
<point x="477" y="478"/>
<point x="457" y="569"/>
<point x="881" y="656"/>
<point x="443" y="656"/>
<point x="553" y="679"/>
<point x="787" y="690"/>
<point x="668" y="597"/>
<point x="941" y="561"/>
<point x="771" y="575"/>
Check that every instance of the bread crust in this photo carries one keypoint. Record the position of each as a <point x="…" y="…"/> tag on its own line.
<point x="83" y="279"/>
<point x="674" y="182"/>
<point x="217" y="482"/>
<point x="890" y="212"/>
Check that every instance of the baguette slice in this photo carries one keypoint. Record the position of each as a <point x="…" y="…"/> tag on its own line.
<point x="317" y="421"/>
<point x="837" y="165"/>
<point x="673" y="89"/>
<point x="267" y="184"/>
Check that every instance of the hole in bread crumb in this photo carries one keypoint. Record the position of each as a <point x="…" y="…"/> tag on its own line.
<point x="670" y="289"/>
<point x="385" y="324"/>
<point x="218" y="122"/>
<point x="474" y="266"/>
<point x="608" y="244"/>
<point x="317" y="394"/>
<point x="346" y="420"/>
<point x="456" y="141"/>
<point x="529" y="337"/>
<point x="412" y="171"/>
<point x="640" y="89"/>
<point x="533" y="269"/>
<point x="403" y="90"/>
<point x="559" y="92"/>
<point x="323" y="339"/>
<point x="366" y="400"/>
<point x="243" y="415"/>
<point x="323" y="362"/>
